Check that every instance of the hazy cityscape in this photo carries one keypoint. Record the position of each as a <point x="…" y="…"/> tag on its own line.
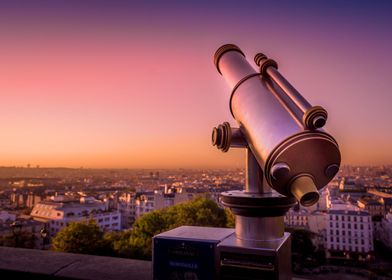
<point x="351" y="222"/>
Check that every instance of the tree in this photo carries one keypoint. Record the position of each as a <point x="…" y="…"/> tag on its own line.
<point x="81" y="238"/>
<point x="302" y="248"/>
<point x="230" y="218"/>
<point x="198" y="212"/>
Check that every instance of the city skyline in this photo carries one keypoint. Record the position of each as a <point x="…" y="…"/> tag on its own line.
<point x="132" y="85"/>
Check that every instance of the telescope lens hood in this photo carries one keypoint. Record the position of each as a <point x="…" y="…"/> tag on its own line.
<point x="304" y="190"/>
<point x="222" y="50"/>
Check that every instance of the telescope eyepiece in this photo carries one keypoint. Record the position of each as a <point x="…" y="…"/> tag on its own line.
<point x="304" y="190"/>
<point x="264" y="62"/>
<point x="315" y="117"/>
<point x="221" y="136"/>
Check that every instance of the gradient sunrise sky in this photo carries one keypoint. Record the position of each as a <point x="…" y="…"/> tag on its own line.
<point x="132" y="84"/>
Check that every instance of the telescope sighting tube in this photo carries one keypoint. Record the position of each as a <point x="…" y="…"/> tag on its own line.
<point x="313" y="117"/>
<point x="281" y="129"/>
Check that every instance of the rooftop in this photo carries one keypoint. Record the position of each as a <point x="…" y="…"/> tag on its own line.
<point x="348" y="212"/>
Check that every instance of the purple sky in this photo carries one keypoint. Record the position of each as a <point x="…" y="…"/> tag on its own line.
<point x="132" y="84"/>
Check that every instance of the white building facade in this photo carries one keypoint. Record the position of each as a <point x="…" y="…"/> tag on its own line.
<point x="349" y="233"/>
<point x="59" y="214"/>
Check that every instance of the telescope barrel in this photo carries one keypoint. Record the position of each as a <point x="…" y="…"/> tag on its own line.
<point x="297" y="98"/>
<point x="290" y="151"/>
<point x="311" y="117"/>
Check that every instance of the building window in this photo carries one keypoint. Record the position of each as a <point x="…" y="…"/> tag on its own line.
<point x="342" y="218"/>
<point x="355" y="219"/>
<point x="362" y="226"/>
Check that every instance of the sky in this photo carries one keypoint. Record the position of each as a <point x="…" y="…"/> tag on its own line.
<point x="131" y="84"/>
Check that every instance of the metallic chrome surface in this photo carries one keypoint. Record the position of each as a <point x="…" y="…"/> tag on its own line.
<point x="304" y="190"/>
<point x="315" y="117"/>
<point x="285" y="101"/>
<point x="221" y="136"/>
<point x="306" y="152"/>
<point x="297" y="98"/>
<point x="223" y="49"/>
<point x="254" y="175"/>
<point x="259" y="228"/>
<point x="224" y="137"/>
<point x="234" y="67"/>
<point x="280" y="170"/>
<point x="331" y="170"/>
<point x="278" y="251"/>
<point x="263" y="121"/>
<point x="264" y="63"/>
<point x="271" y="122"/>
<point x="237" y="139"/>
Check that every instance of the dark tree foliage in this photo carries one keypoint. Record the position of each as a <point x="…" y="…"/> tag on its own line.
<point x="81" y="238"/>
<point x="198" y="212"/>
<point x="87" y="238"/>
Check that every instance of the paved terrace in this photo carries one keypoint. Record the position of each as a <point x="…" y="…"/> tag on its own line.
<point x="17" y="263"/>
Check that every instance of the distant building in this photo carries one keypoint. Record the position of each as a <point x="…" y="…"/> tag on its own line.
<point x="297" y="219"/>
<point x="349" y="234"/>
<point x="150" y="201"/>
<point x="348" y="185"/>
<point x="372" y="205"/>
<point x="30" y="230"/>
<point x="59" y="214"/>
<point x="385" y="231"/>
<point x="126" y="204"/>
<point x="32" y="200"/>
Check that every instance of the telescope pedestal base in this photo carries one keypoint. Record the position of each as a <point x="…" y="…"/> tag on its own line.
<point x="253" y="260"/>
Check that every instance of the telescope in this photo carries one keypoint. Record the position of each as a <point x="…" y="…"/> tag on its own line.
<point x="282" y="130"/>
<point x="289" y="158"/>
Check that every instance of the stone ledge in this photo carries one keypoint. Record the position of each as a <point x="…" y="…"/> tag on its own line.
<point x="38" y="264"/>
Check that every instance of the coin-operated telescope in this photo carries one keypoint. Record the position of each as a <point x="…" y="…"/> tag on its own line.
<point x="289" y="157"/>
